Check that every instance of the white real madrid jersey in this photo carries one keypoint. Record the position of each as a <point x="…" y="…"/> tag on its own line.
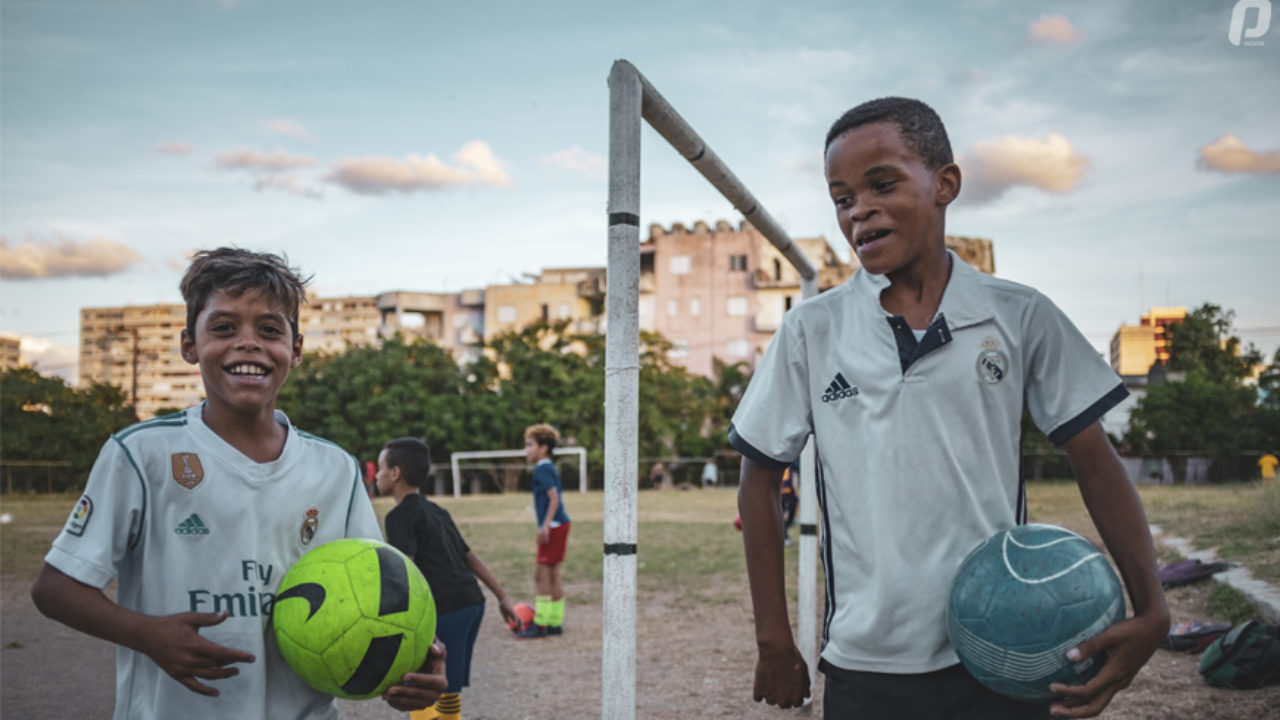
<point x="917" y="443"/>
<point x="185" y="522"/>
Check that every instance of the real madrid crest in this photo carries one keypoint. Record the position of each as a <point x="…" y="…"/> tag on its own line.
<point x="187" y="470"/>
<point x="310" y="523"/>
<point x="993" y="364"/>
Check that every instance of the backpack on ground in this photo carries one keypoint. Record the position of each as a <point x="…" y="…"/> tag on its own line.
<point x="1185" y="572"/>
<point x="1248" y="657"/>
<point x="1194" y="637"/>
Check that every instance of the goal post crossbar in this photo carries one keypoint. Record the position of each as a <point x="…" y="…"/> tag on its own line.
<point x="633" y="99"/>
<point x="454" y="459"/>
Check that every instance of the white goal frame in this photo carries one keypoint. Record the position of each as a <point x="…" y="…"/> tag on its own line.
<point x="581" y="452"/>
<point x="632" y="99"/>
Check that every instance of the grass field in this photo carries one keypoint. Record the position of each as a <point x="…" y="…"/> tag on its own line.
<point x="685" y="550"/>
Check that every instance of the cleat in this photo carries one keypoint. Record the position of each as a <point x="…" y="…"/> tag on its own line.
<point x="532" y="632"/>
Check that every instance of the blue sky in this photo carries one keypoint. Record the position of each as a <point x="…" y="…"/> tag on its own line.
<point x="1120" y="154"/>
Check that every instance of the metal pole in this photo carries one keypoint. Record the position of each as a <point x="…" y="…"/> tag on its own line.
<point x="664" y="118"/>
<point x="621" y="392"/>
<point x="806" y="600"/>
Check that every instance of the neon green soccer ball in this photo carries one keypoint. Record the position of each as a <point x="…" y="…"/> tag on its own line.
<point x="353" y="616"/>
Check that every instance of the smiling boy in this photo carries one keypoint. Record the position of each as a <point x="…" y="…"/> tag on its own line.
<point x="197" y="515"/>
<point x="919" y="462"/>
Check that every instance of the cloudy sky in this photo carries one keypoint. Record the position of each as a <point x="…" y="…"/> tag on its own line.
<point x="1120" y="154"/>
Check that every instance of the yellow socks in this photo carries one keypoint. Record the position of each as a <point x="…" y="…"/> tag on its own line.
<point x="425" y="714"/>
<point x="449" y="706"/>
<point x="542" y="610"/>
<point x="556" y="612"/>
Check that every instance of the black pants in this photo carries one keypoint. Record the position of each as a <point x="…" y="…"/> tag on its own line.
<point x="947" y="694"/>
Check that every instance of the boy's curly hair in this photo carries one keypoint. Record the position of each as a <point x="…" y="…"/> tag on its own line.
<point x="922" y="130"/>
<point x="236" y="271"/>
<point x="544" y="435"/>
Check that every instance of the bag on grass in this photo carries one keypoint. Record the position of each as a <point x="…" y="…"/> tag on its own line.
<point x="1183" y="572"/>
<point x="1248" y="657"/>
<point x="1193" y="637"/>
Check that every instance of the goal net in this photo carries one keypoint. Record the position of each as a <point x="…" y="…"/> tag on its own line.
<point x="501" y="470"/>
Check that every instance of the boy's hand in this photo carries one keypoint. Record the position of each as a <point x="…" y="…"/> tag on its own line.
<point x="174" y="643"/>
<point x="420" y="689"/>
<point x="509" y="613"/>
<point x="1128" y="645"/>
<point x="544" y="535"/>
<point x="782" y="677"/>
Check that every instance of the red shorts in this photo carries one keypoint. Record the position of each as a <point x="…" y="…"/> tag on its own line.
<point x="553" y="552"/>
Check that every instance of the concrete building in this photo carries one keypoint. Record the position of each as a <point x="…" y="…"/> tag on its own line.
<point x="10" y="352"/>
<point x="575" y="295"/>
<point x="1135" y="348"/>
<point x="330" y="325"/>
<point x="136" y="348"/>
<point x="720" y="292"/>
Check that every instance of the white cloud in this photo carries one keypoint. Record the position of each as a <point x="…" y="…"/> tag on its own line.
<point x="1229" y="154"/>
<point x="993" y="167"/>
<point x="474" y="164"/>
<point x="575" y="159"/>
<point x="285" y="183"/>
<point x="255" y="161"/>
<point x="48" y="359"/>
<point x="174" y="148"/>
<point x="1055" y="29"/>
<point x="95" y="257"/>
<point x="289" y="128"/>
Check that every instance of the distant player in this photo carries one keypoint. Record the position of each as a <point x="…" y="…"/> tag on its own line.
<point x="553" y="532"/>
<point x="197" y="516"/>
<point x="425" y="532"/>
<point x="912" y="377"/>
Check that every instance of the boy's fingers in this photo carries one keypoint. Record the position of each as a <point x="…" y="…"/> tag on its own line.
<point x="196" y="619"/>
<point x="197" y="687"/>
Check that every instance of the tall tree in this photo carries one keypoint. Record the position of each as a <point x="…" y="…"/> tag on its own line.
<point x="1204" y="407"/>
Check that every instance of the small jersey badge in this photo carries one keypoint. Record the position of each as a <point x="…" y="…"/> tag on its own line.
<point x="993" y="364"/>
<point x="79" y="519"/>
<point x="310" y="523"/>
<point x="187" y="470"/>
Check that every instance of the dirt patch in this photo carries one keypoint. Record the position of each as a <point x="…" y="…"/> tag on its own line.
<point x="693" y="659"/>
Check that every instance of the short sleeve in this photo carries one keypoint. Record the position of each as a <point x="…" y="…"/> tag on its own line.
<point x="1069" y="385"/>
<point x="774" y="417"/>
<point x="400" y="534"/>
<point x="106" y="522"/>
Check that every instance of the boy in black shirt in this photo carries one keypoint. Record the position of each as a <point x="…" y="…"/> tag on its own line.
<point x="424" y="531"/>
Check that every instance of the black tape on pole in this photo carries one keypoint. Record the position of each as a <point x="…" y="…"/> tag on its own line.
<point x="624" y="218"/>
<point x="619" y="548"/>
<point x="808" y="529"/>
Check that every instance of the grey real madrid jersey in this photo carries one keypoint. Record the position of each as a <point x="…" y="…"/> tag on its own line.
<point x="917" y="443"/>
<point x="185" y="522"/>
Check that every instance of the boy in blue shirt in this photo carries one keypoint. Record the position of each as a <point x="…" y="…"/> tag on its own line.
<point x="553" y="532"/>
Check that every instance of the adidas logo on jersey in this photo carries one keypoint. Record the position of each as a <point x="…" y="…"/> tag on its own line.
<point x="192" y="526"/>
<point x="839" y="389"/>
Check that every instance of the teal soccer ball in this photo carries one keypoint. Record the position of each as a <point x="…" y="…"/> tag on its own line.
<point x="1021" y="600"/>
<point x="352" y="616"/>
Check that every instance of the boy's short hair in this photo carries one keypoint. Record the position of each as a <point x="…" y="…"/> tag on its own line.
<point x="412" y="456"/>
<point x="922" y="130"/>
<point x="236" y="271"/>
<point x="544" y="435"/>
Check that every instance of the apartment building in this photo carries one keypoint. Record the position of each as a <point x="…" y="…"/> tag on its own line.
<point x="10" y="352"/>
<point x="1135" y="348"/>
<point x="721" y="291"/>
<point x="136" y="347"/>
<point x="575" y="295"/>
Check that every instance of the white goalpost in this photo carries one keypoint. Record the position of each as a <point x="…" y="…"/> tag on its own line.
<point x="456" y="458"/>
<point x="631" y="99"/>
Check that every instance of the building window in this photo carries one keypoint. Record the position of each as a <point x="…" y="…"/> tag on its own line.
<point x="736" y="306"/>
<point x="695" y="307"/>
<point x="564" y="311"/>
<point x="680" y="265"/>
<point x="506" y="313"/>
<point x="646" y="307"/>
<point x="739" y="348"/>
<point x="777" y="269"/>
<point x="679" y="349"/>
<point x="786" y="303"/>
<point x="546" y="313"/>
<point x="737" y="262"/>
<point x="673" y="307"/>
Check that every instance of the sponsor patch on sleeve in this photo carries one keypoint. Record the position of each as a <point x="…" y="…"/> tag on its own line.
<point x="79" y="519"/>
